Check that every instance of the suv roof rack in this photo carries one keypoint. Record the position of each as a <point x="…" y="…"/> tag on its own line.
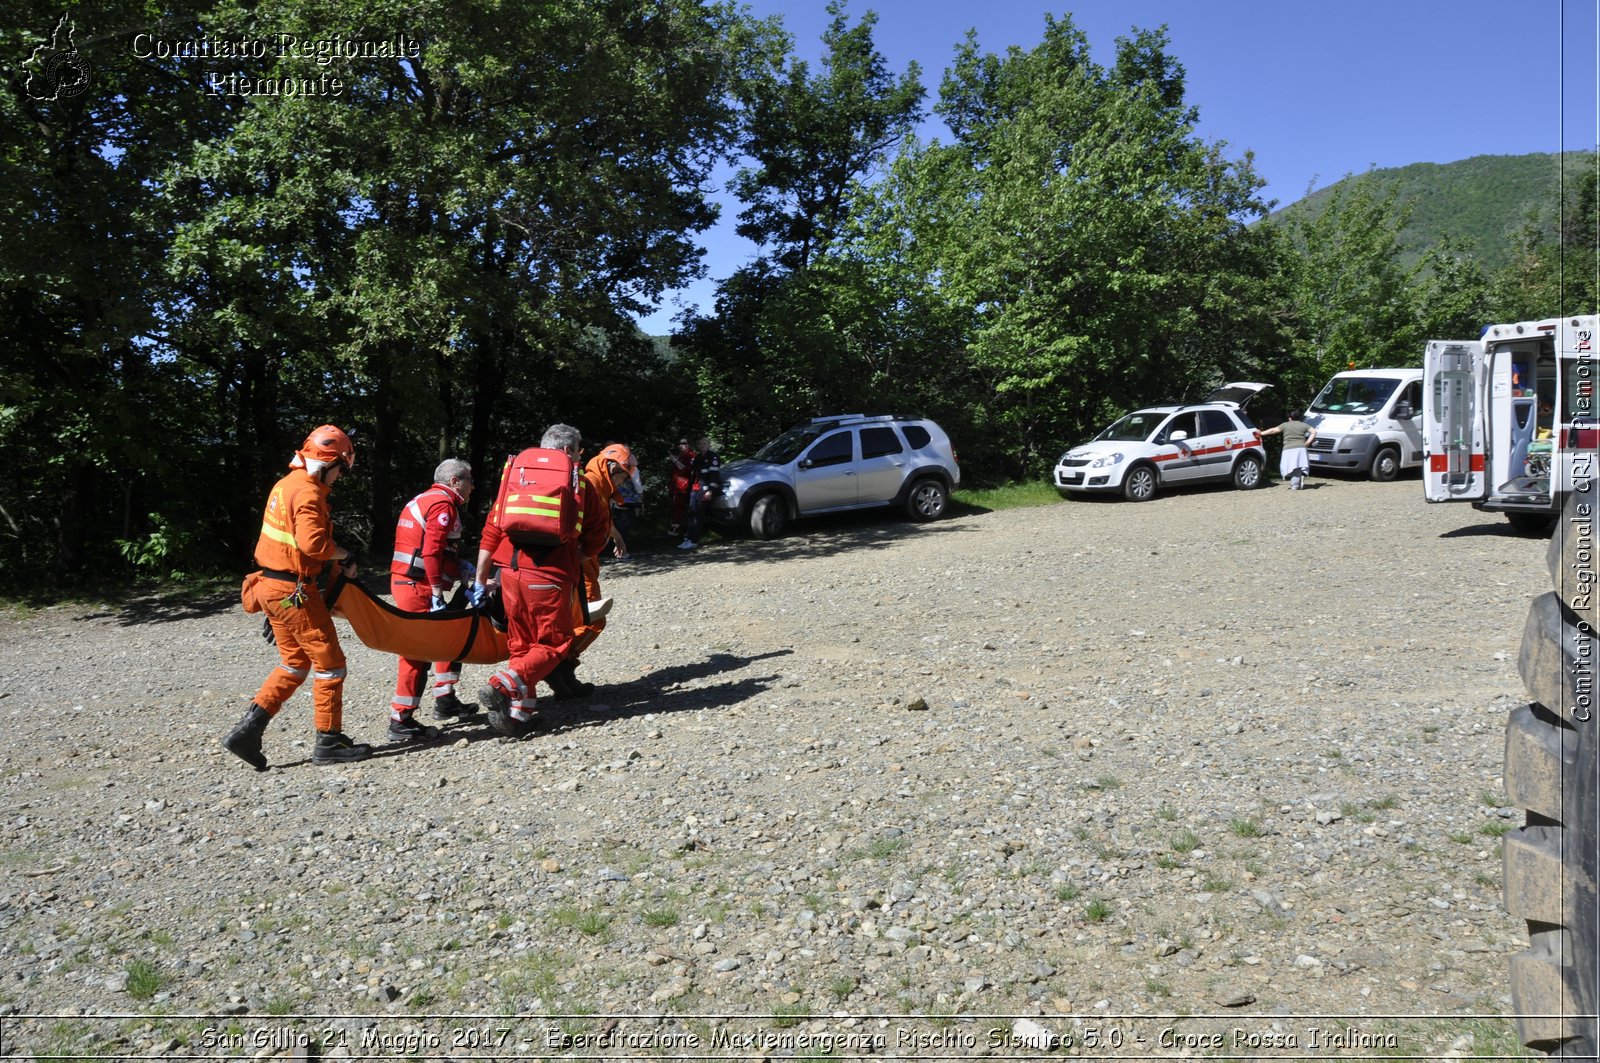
<point x="851" y="418"/>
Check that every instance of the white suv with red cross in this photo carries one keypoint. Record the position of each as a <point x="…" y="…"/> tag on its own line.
<point x="1169" y="446"/>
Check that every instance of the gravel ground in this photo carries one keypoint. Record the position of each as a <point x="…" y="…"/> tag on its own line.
<point x="1217" y="775"/>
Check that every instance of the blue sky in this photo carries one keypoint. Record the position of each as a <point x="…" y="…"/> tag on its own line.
<point x="1315" y="89"/>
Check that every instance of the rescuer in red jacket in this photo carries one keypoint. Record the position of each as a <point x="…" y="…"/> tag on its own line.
<point x="536" y="587"/>
<point x="426" y="564"/>
<point x="296" y="541"/>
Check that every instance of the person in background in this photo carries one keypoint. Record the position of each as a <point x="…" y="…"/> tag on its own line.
<point x="678" y="485"/>
<point x="296" y="542"/>
<point x="706" y="485"/>
<point x="426" y="564"/>
<point x="1293" y="464"/>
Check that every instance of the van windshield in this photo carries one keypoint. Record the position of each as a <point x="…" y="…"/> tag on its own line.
<point x="1354" y="394"/>
<point x="787" y="447"/>
<point x="1134" y="426"/>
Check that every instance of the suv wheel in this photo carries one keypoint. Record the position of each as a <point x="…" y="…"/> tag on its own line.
<point x="926" y="499"/>
<point x="768" y="517"/>
<point x="1140" y="484"/>
<point x="1247" y="472"/>
<point x="1385" y="465"/>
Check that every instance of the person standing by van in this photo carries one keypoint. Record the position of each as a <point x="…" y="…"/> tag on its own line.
<point x="1293" y="464"/>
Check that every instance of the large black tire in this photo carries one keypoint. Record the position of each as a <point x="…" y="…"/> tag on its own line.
<point x="1140" y="484"/>
<point x="1385" y="465"/>
<point x="1550" y="770"/>
<point x="927" y="499"/>
<point x="768" y="517"/>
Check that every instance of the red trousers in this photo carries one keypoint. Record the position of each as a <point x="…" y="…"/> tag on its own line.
<point x="307" y="644"/>
<point x="538" y="629"/>
<point x="416" y="597"/>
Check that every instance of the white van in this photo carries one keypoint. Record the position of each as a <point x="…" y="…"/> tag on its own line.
<point x="1368" y="421"/>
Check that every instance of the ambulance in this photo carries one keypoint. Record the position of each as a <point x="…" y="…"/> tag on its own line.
<point x="1510" y="419"/>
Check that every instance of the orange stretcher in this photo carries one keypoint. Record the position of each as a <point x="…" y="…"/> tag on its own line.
<point x="448" y="635"/>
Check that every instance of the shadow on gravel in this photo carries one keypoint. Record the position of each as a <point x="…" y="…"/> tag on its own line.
<point x="1495" y="529"/>
<point x="809" y="538"/>
<point x="662" y="691"/>
<point x="168" y="608"/>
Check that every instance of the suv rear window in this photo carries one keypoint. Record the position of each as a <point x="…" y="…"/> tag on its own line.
<point x="1215" y="422"/>
<point x="917" y="436"/>
<point x="876" y="442"/>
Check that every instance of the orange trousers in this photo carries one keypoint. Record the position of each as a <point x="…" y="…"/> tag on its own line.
<point x="583" y="635"/>
<point x="307" y="645"/>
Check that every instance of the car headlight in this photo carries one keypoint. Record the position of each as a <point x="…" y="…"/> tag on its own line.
<point x="1106" y="460"/>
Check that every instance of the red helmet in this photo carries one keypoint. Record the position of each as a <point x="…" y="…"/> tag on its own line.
<point x="328" y="444"/>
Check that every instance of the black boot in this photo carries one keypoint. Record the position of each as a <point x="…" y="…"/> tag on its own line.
<point x="244" y="741"/>
<point x="335" y="747"/>
<point x="407" y="729"/>
<point x="565" y="682"/>
<point x="450" y="707"/>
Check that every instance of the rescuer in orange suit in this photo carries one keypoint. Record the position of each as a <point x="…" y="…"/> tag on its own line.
<point x="603" y="477"/>
<point x="426" y="564"/>
<point x="536" y="587"/>
<point x="296" y="540"/>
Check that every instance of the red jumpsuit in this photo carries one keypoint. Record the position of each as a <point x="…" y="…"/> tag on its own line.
<point x="427" y="540"/>
<point x="296" y="538"/>
<point x="678" y="487"/>
<point x="536" y="587"/>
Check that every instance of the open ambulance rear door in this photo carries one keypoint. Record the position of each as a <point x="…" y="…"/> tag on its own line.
<point x="1455" y="421"/>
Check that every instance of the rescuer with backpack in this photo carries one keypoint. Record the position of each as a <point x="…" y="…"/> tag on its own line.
<point x="426" y="564"/>
<point x="296" y="542"/>
<point x="603" y="478"/>
<point x="531" y="537"/>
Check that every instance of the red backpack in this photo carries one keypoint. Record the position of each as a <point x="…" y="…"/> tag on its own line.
<point x="538" y="503"/>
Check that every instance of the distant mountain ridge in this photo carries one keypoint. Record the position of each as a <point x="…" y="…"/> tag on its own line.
<point x="1483" y="200"/>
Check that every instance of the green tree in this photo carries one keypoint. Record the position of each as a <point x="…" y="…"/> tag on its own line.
<point x="1098" y="248"/>
<point x="1351" y="303"/>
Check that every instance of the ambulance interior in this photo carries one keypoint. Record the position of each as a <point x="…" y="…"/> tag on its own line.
<point x="1525" y="371"/>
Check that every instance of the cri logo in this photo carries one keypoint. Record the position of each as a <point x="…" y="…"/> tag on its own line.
<point x="1585" y="339"/>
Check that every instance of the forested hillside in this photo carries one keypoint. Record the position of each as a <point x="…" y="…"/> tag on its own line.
<point x="1484" y="201"/>
<point x="434" y="225"/>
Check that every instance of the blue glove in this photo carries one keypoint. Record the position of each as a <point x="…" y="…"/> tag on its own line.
<point x="477" y="594"/>
<point x="469" y="572"/>
<point x="437" y="604"/>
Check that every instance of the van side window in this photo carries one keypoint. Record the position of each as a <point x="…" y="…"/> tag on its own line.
<point x="1413" y="396"/>
<point x="876" y="442"/>
<point x="831" y="450"/>
<point x="917" y="436"/>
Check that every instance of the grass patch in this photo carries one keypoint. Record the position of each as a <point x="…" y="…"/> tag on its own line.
<point x="1167" y="813"/>
<point x="660" y="917"/>
<point x="1097" y="911"/>
<point x="1495" y="828"/>
<point x="1067" y="892"/>
<point x="1461" y="837"/>
<point x="787" y="1015"/>
<point x="1187" y="842"/>
<point x="1245" y="828"/>
<point x="1384" y="803"/>
<point x="1015" y="495"/>
<point x="145" y="979"/>
<point x="841" y="986"/>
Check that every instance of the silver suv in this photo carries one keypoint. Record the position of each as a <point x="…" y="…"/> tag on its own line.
<point x="829" y="464"/>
